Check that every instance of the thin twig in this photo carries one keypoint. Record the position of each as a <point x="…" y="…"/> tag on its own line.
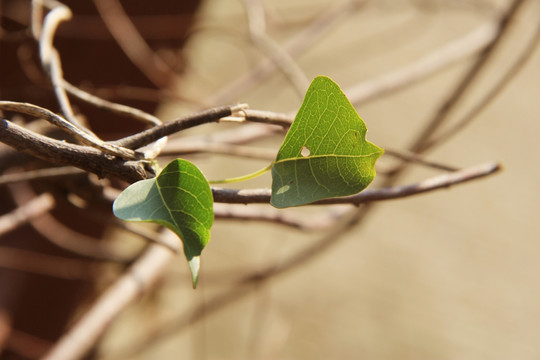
<point x="294" y="47"/>
<point x="495" y="90"/>
<point x="51" y="63"/>
<point x="124" y="110"/>
<point x="62" y="153"/>
<point x="417" y="159"/>
<point x="315" y="222"/>
<point x="250" y="196"/>
<point x="464" y="86"/>
<point x="424" y="67"/>
<point x="55" y="266"/>
<point x="154" y="149"/>
<point x="272" y="49"/>
<point x="81" y="135"/>
<point x="137" y="279"/>
<point x="133" y="44"/>
<point x="27" y="211"/>
<point x="37" y="14"/>
<point x="46" y="173"/>
<point x="171" y="127"/>
<point x="64" y="237"/>
<point x="50" y="60"/>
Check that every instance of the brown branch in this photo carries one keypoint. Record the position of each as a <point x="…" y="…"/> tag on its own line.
<point x="510" y="74"/>
<point x="250" y="196"/>
<point x="133" y="44"/>
<point x="79" y="133"/>
<point x="424" y="67"/>
<point x="46" y="173"/>
<point x="140" y="276"/>
<point x="60" y="152"/>
<point x="54" y="266"/>
<point x="124" y="110"/>
<point x="64" y="237"/>
<point x="51" y="63"/>
<point x="316" y="222"/>
<point x="466" y="82"/>
<point x="148" y="136"/>
<point x="24" y="213"/>
<point x="295" y="46"/>
<point x="273" y="50"/>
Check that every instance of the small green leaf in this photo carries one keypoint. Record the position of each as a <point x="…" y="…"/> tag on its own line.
<point x="178" y="198"/>
<point x="325" y="153"/>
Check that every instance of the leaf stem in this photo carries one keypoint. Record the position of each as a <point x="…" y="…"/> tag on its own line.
<point x="243" y="177"/>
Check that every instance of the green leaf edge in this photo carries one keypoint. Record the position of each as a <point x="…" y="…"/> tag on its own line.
<point x="378" y="150"/>
<point x="193" y="259"/>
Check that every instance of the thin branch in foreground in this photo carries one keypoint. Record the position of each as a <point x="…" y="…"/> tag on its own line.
<point x="250" y="196"/>
<point x="124" y="110"/>
<point x="59" y="152"/>
<point x="50" y="59"/>
<point x="148" y="136"/>
<point x="80" y="134"/>
<point x="154" y="149"/>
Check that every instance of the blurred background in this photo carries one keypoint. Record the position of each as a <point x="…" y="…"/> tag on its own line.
<point x="450" y="274"/>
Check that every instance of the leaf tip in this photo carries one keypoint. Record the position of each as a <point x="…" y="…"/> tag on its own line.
<point x="194" y="266"/>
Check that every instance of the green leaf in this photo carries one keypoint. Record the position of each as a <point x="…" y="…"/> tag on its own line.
<point x="178" y="198"/>
<point x="325" y="153"/>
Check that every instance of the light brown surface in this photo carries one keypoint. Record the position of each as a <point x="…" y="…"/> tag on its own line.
<point x="447" y="275"/>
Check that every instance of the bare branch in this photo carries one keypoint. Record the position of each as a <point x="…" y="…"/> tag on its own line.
<point x="83" y="157"/>
<point x="81" y="135"/>
<point x="24" y="213"/>
<point x="171" y="127"/>
<point x="50" y="60"/>
<point x="39" y="174"/>
<point x="64" y="237"/>
<point x="417" y="159"/>
<point x="424" y="67"/>
<point x="139" y="277"/>
<point x="249" y="196"/>
<point x="514" y="69"/>
<point x="190" y="147"/>
<point x="120" y="109"/>
<point x="468" y="79"/>
<point x="282" y="59"/>
<point x="315" y="222"/>
<point x="37" y="14"/>
<point x="55" y="266"/>
<point x="133" y="44"/>
<point x="294" y="47"/>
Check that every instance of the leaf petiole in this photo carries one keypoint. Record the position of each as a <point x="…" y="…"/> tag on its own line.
<point x="242" y="178"/>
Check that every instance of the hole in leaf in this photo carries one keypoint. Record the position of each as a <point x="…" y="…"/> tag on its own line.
<point x="283" y="189"/>
<point x="305" y="152"/>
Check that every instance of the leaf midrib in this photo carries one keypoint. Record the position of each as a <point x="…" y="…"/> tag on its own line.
<point x="311" y="157"/>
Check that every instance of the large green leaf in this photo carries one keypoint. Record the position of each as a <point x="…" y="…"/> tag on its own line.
<point x="178" y="198"/>
<point x="325" y="153"/>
